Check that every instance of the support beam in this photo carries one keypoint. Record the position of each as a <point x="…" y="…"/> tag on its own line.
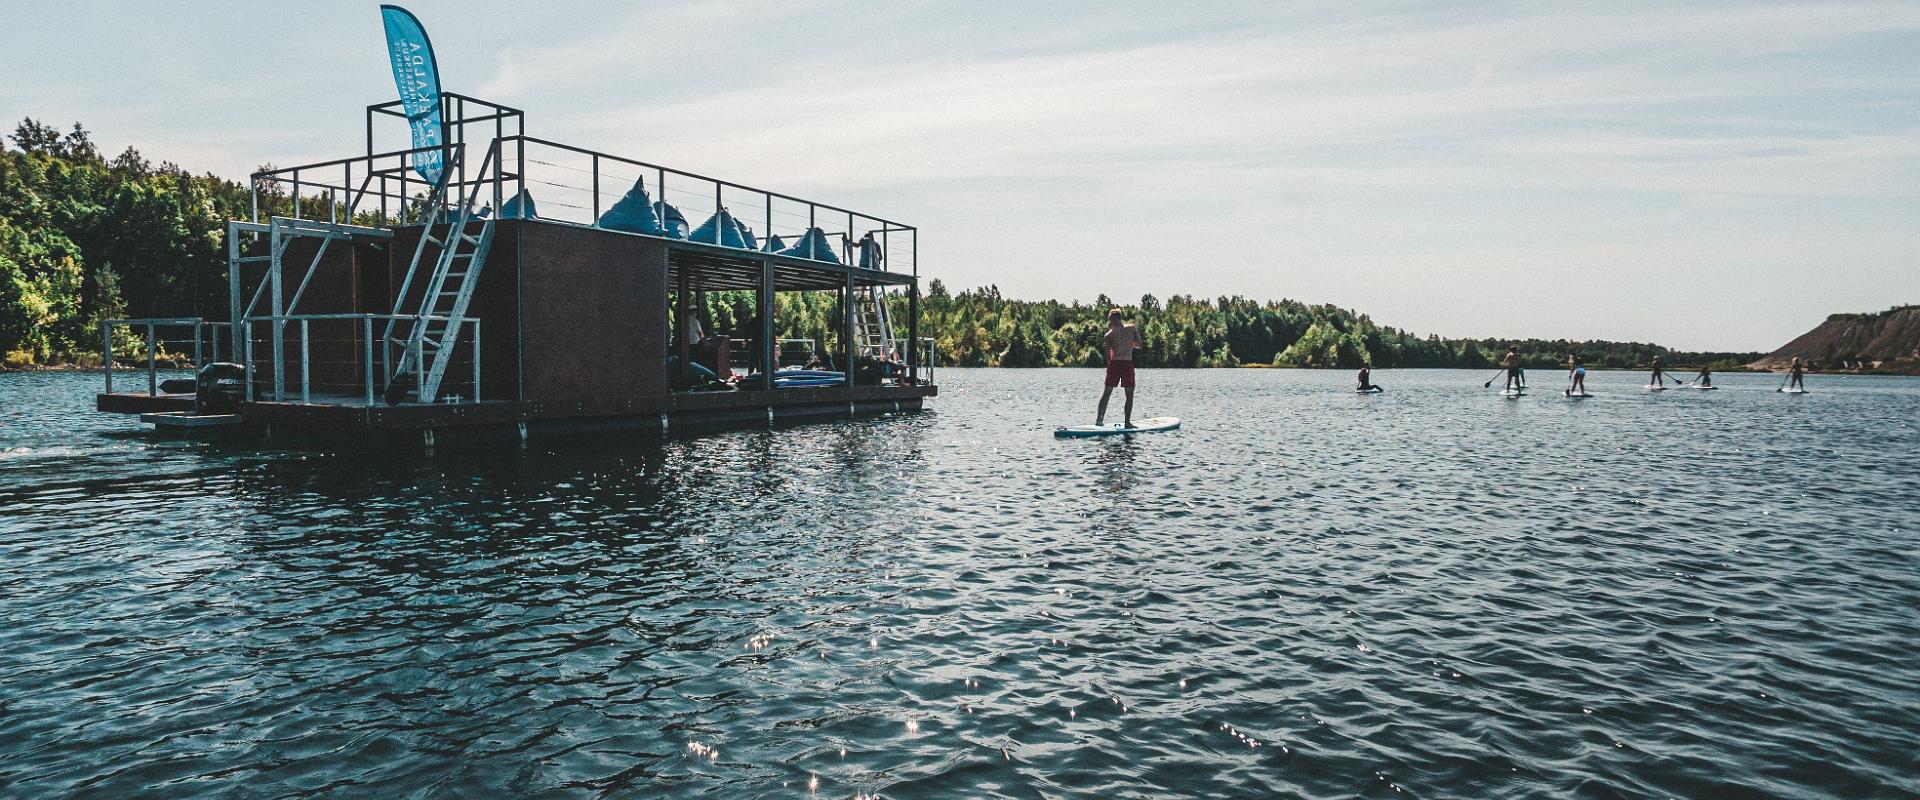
<point x="768" y="350"/>
<point x="683" y="374"/>
<point x="847" y="330"/>
<point x="913" y="332"/>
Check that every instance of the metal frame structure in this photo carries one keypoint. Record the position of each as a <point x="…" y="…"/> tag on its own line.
<point x="369" y="198"/>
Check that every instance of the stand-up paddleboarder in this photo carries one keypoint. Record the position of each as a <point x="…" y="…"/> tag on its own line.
<point x="1795" y="372"/>
<point x="1122" y="339"/>
<point x="1578" y="377"/>
<point x="1659" y="373"/>
<point x="1511" y="362"/>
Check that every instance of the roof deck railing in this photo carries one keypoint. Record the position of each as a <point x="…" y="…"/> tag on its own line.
<point x="558" y="182"/>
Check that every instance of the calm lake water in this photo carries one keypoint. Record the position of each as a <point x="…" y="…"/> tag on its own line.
<point x="1303" y="593"/>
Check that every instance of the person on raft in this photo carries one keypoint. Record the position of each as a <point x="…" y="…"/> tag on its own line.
<point x="1516" y="379"/>
<point x="1122" y="339"/>
<point x="1366" y="379"/>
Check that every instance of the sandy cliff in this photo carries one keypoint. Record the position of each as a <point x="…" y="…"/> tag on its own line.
<point x="1885" y="342"/>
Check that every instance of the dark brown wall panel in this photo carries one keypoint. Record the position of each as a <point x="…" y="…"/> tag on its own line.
<point x="333" y="344"/>
<point x="593" y="313"/>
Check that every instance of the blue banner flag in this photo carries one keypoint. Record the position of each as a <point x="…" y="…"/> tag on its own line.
<point x="418" y="78"/>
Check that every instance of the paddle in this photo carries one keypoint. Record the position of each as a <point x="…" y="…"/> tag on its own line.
<point x="1496" y="376"/>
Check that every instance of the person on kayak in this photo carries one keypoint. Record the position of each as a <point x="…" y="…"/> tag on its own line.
<point x="1579" y="376"/>
<point x="1366" y="379"/>
<point x="1122" y="339"/>
<point x="1511" y="361"/>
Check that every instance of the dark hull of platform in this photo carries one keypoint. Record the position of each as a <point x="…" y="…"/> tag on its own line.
<point x="430" y="425"/>
<point x="141" y="402"/>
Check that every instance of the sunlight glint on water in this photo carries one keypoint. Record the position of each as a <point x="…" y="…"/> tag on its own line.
<point x="1430" y="592"/>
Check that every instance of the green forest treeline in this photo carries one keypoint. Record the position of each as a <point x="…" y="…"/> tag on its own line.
<point x="85" y="238"/>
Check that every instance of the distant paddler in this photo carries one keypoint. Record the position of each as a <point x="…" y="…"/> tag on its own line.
<point x="1366" y="380"/>
<point x="1122" y="339"/>
<point x="1659" y="377"/>
<point x="1516" y="378"/>
<point x="1577" y="377"/>
<point x="1704" y="380"/>
<point x="1795" y="372"/>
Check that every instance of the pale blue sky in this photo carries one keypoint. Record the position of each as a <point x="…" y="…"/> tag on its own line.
<point x="1702" y="175"/>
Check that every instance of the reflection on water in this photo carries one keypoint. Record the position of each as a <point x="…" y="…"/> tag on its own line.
<point x="1304" y="592"/>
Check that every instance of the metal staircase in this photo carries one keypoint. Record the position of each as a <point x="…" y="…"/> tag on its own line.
<point x="427" y="329"/>
<point x="873" y="322"/>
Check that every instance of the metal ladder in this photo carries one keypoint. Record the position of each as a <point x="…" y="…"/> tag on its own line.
<point x="873" y="322"/>
<point x="427" y="334"/>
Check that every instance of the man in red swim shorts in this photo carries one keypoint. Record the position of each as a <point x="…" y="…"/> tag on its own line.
<point x="1122" y="340"/>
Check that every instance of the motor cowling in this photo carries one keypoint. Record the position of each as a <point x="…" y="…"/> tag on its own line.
<point x="219" y="388"/>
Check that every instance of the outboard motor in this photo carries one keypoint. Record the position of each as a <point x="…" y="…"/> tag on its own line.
<point x="220" y="388"/>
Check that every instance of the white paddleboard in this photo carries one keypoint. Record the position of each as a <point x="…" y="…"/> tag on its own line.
<point x="1579" y="395"/>
<point x="1370" y="390"/>
<point x="1513" y="393"/>
<point x="1704" y="388"/>
<point x="1148" y="425"/>
<point x="1791" y="391"/>
<point x="1653" y="388"/>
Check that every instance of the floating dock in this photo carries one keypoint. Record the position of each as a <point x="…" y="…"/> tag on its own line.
<point x="534" y="287"/>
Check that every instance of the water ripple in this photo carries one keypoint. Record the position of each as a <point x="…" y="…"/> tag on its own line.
<point x="1429" y="592"/>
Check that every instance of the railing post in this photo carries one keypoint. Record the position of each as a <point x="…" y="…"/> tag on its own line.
<point x="476" y="360"/>
<point x="246" y="349"/>
<point x="847" y="328"/>
<point x="366" y="342"/>
<point x="306" y="358"/>
<point x="913" y="333"/>
<point x="196" y="343"/>
<point x="153" y="378"/>
<point x="279" y="324"/>
<point x="106" y="351"/>
<point x="419" y="367"/>
<point x="596" y="198"/>
<point x="660" y="206"/>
